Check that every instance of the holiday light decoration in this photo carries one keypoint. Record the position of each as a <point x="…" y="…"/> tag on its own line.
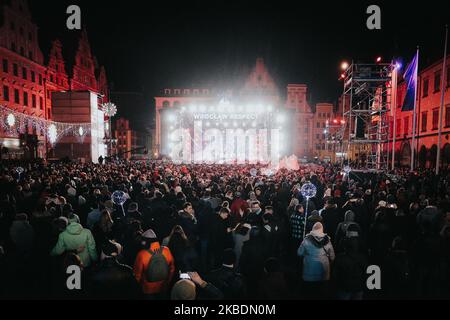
<point x="109" y="109"/>
<point x="11" y="120"/>
<point x="15" y="123"/>
<point x="52" y="133"/>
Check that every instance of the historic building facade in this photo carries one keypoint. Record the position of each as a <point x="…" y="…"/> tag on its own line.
<point x="307" y="140"/>
<point x="427" y="125"/>
<point x="27" y="81"/>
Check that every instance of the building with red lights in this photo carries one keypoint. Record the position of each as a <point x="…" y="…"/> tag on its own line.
<point x="130" y="144"/>
<point x="307" y="140"/>
<point x="428" y="109"/>
<point x="27" y="81"/>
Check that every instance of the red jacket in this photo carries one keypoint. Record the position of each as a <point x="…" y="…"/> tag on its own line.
<point x="140" y="269"/>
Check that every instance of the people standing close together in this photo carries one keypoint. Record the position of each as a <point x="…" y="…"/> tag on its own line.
<point x="217" y="232"/>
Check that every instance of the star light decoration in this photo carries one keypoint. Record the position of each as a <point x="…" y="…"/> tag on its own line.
<point x="109" y="109"/>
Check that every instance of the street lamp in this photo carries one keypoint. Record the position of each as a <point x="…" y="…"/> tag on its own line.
<point x="110" y="110"/>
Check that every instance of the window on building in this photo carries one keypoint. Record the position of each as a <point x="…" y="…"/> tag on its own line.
<point x="318" y="125"/>
<point x="24" y="73"/>
<point x="25" y="99"/>
<point x="30" y="55"/>
<point x="16" y="69"/>
<point x="51" y="78"/>
<point x="16" y="96"/>
<point x="13" y="47"/>
<point x="447" y="116"/>
<point x="33" y="76"/>
<point x="424" y="121"/>
<point x="5" y="66"/>
<point x="399" y="127"/>
<point x="6" y="93"/>
<point x="41" y="103"/>
<point x="22" y="51"/>
<point x="437" y="81"/>
<point x="40" y="79"/>
<point x="435" y="119"/>
<point x="317" y="136"/>
<point x="426" y="83"/>
<point x="33" y="101"/>
<point x="406" y="125"/>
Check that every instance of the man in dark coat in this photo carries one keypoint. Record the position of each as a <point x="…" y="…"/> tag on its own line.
<point x="113" y="280"/>
<point x="227" y="280"/>
<point x="331" y="218"/>
<point x="220" y="236"/>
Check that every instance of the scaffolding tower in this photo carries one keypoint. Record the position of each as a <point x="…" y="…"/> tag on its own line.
<point x="364" y="134"/>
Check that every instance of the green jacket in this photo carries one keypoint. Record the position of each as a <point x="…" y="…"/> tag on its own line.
<point x="76" y="238"/>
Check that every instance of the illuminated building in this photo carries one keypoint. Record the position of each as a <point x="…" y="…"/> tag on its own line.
<point x="428" y="106"/>
<point x="27" y="82"/>
<point x="259" y="105"/>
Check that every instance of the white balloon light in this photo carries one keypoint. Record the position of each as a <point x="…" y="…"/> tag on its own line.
<point x="81" y="131"/>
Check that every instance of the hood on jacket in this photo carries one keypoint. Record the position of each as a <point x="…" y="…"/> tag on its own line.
<point x="74" y="228"/>
<point x="317" y="237"/>
<point x="349" y="216"/>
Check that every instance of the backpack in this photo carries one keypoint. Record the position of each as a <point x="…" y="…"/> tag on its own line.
<point x="158" y="267"/>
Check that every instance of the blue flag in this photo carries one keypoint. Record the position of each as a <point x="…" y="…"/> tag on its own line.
<point x="410" y="77"/>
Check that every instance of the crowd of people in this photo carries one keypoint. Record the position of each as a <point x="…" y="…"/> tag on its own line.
<point x="189" y="232"/>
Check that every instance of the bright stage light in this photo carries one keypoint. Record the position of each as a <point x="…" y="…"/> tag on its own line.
<point x="379" y="59"/>
<point x="171" y="118"/>
<point x="344" y="65"/>
<point x="398" y="65"/>
<point x="281" y="118"/>
<point x="208" y="124"/>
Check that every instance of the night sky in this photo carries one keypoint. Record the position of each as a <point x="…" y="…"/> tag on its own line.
<point x="147" y="47"/>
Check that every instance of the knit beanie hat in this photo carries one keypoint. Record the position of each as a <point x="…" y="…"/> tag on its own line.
<point x="183" y="290"/>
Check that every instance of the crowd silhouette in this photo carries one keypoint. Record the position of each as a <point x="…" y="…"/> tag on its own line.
<point x="194" y="232"/>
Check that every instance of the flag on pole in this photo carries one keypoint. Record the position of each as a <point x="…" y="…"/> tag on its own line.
<point x="410" y="77"/>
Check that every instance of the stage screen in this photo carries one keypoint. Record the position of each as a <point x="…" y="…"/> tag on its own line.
<point x="232" y="135"/>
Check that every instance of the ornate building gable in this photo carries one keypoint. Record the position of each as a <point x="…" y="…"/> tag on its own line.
<point x="83" y="77"/>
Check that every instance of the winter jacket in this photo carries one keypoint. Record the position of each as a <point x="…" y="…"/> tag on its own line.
<point x="297" y="223"/>
<point x="274" y="287"/>
<point x="22" y="235"/>
<point x="113" y="280"/>
<point x="331" y="219"/>
<point x="317" y="253"/>
<point x="229" y="282"/>
<point x="141" y="265"/>
<point x="76" y="238"/>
